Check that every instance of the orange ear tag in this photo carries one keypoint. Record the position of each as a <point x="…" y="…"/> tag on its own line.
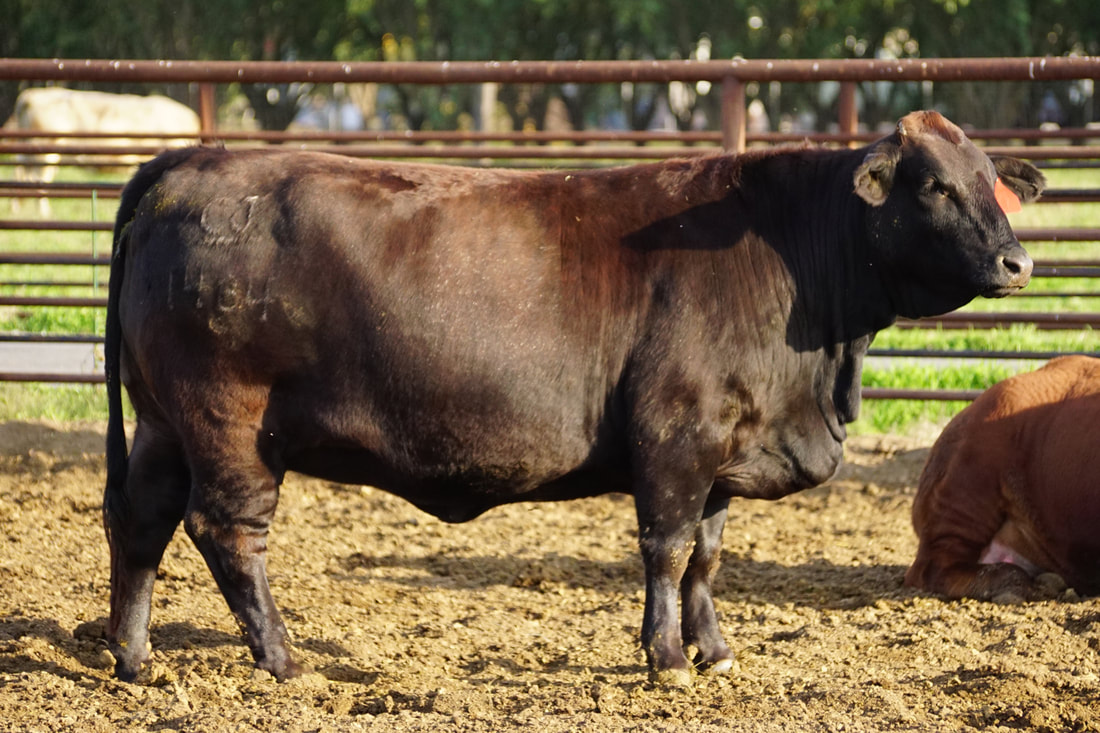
<point x="1007" y="200"/>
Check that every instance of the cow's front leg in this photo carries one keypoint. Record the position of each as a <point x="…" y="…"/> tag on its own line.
<point x="667" y="521"/>
<point x="700" y="623"/>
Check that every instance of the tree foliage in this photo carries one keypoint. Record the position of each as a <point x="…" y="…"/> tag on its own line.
<point x="564" y="29"/>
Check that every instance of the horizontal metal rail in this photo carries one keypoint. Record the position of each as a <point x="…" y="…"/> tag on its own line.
<point x="1064" y="152"/>
<point x="56" y="226"/>
<point x="90" y="338"/>
<point x="1069" y="196"/>
<point x="551" y="72"/>
<point x="1043" y="321"/>
<point x="943" y="395"/>
<point x="60" y="189"/>
<point x="52" y="300"/>
<point x="1024" y="235"/>
<point x="1034" y="293"/>
<point x="450" y="152"/>
<point x="1084" y="234"/>
<point x="106" y="155"/>
<point x="869" y="393"/>
<point x="55" y="378"/>
<point x="51" y="338"/>
<point x="1055" y="271"/>
<point x="1043" y="268"/>
<point x="638" y="137"/>
<point x="47" y="284"/>
<point x="65" y="189"/>
<point x="65" y="152"/>
<point x="975" y="354"/>
<point x="84" y="284"/>
<point x="52" y="258"/>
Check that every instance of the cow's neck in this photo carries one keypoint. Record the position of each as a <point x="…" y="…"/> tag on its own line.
<point x="807" y="213"/>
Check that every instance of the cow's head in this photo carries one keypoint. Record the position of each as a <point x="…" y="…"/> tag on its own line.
<point x="936" y="223"/>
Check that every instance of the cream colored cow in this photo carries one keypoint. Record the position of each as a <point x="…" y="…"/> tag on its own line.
<point x="59" y="110"/>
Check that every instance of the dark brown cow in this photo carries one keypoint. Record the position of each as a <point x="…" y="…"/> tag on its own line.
<point x="1012" y="489"/>
<point x="684" y="331"/>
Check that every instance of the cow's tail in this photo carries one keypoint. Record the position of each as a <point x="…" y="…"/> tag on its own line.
<point x="117" y="454"/>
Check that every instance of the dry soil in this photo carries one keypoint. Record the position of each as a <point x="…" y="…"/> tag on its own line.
<point x="524" y="618"/>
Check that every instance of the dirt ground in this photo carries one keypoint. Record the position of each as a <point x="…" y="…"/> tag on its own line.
<point x="524" y="618"/>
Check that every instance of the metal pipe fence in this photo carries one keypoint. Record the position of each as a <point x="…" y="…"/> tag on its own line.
<point x="1070" y="147"/>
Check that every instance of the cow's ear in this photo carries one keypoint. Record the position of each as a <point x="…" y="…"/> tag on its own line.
<point x="1021" y="177"/>
<point x="875" y="175"/>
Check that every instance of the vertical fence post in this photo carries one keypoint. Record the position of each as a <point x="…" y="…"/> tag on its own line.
<point x="207" y="111"/>
<point x="848" y="115"/>
<point x="733" y="114"/>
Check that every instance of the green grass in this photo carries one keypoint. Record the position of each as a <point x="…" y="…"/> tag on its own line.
<point x="905" y="416"/>
<point x="81" y="402"/>
<point x="30" y="319"/>
<point x="58" y="402"/>
<point x="1016" y="338"/>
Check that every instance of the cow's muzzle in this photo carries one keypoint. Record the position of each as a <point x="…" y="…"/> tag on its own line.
<point x="1013" y="272"/>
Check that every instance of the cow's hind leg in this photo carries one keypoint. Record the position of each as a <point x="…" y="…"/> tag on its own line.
<point x="140" y="521"/>
<point x="233" y="502"/>
<point x="700" y="623"/>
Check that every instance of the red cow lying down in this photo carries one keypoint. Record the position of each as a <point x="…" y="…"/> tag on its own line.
<point x="1011" y="489"/>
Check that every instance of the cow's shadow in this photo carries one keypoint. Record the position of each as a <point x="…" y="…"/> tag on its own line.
<point x="818" y="582"/>
<point x="20" y="438"/>
<point x="21" y="657"/>
<point x="85" y="645"/>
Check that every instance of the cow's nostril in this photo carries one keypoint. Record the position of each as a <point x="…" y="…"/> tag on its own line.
<point x="1018" y="267"/>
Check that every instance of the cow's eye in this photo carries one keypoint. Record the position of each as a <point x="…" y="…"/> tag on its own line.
<point x="934" y="188"/>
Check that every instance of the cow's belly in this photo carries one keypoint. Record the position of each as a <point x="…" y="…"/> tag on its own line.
<point x="453" y="492"/>
<point x="453" y="463"/>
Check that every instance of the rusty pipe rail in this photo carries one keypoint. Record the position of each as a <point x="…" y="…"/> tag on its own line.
<point x="554" y="72"/>
<point x="52" y="378"/>
<point x="1024" y="235"/>
<point x="944" y="395"/>
<point x="543" y="136"/>
<point x="109" y="189"/>
<point x="985" y="320"/>
<point x="109" y="153"/>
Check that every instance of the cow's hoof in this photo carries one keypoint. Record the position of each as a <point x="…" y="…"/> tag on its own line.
<point x="670" y="677"/>
<point x="1009" y="598"/>
<point x="125" y="673"/>
<point x="719" y="667"/>
<point x="128" y="670"/>
<point x="1050" y="585"/>
<point x="131" y="659"/>
<point x="284" y="672"/>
